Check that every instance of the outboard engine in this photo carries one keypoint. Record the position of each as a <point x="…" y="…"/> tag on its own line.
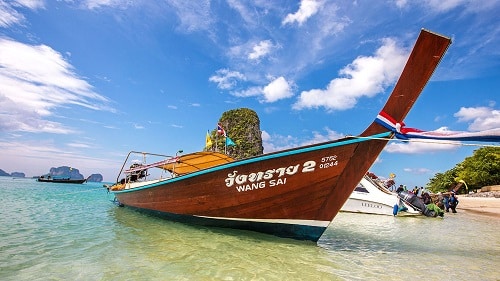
<point x="413" y="200"/>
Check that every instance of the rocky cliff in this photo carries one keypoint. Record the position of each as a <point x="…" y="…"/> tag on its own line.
<point x="242" y="126"/>
<point x="73" y="173"/>
<point x="14" y="174"/>
<point x="95" y="178"/>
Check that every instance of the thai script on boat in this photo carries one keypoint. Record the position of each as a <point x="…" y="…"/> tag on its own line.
<point x="257" y="180"/>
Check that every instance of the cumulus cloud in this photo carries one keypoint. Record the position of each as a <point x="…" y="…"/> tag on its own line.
<point x="260" y="50"/>
<point x="365" y="76"/>
<point x="226" y="79"/>
<point x="480" y="118"/>
<point x="306" y="10"/>
<point x="35" y="80"/>
<point x="278" y="89"/>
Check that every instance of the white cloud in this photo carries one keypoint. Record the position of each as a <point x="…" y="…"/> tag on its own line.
<point x="250" y="92"/>
<point x="318" y="137"/>
<point x="226" y="79"/>
<point x="193" y="15"/>
<point x="420" y="146"/>
<point x="276" y="90"/>
<point x="480" y="118"/>
<point x="401" y="3"/>
<point x="278" y="142"/>
<point x="307" y="9"/>
<point x="10" y="16"/>
<point x="34" y="81"/>
<point x="443" y="6"/>
<point x="365" y="76"/>
<point x="138" y="126"/>
<point x="79" y="145"/>
<point x="418" y="171"/>
<point x="260" y="50"/>
<point x="31" y="4"/>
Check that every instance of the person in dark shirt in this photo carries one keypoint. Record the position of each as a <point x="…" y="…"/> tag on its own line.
<point x="452" y="203"/>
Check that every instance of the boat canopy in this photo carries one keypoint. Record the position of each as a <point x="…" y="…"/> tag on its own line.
<point x="193" y="162"/>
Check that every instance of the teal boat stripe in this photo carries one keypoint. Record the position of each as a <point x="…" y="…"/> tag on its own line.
<point x="257" y="159"/>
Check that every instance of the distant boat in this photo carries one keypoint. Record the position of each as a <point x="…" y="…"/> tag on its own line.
<point x="60" y="180"/>
<point x="371" y="197"/>
<point x="293" y="193"/>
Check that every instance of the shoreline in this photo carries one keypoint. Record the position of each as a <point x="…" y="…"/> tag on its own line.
<point x="489" y="206"/>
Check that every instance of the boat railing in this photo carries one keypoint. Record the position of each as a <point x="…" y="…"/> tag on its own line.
<point x="138" y="169"/>
<point x="378" y="185"/>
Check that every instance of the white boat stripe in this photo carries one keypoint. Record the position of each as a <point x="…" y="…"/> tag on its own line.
<point x="282" y="221"/>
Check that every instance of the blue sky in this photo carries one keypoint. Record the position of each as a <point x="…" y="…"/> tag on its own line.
<point x="84" y="82"/>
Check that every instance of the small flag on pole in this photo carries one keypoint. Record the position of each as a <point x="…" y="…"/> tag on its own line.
<point x="208" y="140"/>
<point x="220" y="130"/>
<point x="229" y="142"/>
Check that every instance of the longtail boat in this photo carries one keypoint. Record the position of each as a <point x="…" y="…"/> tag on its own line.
<point x="294" y="193"/>
<point x="60" y="180"/>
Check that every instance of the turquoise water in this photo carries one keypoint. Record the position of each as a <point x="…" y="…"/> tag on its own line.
<point x="73" y="232"/>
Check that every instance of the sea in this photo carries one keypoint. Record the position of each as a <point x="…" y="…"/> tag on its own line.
<point x="52" y="231"/>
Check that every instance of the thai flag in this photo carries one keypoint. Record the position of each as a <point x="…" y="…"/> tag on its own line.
<point x="220" y="130"/>
<point x="402" y="132"/>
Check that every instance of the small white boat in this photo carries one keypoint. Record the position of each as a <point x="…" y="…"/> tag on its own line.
<point x="371" y="196"/>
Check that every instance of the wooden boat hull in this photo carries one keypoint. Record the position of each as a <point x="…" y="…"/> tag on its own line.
<point x="300" y="198"/>
<point x="293" y="193"/>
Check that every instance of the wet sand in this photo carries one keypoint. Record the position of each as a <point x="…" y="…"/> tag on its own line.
<point x="481" y="205"/>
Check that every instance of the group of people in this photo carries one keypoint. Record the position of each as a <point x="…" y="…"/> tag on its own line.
<point x="444" y="202"/>
<point x="449" y="202"/>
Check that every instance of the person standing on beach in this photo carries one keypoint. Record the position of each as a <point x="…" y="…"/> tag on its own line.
<point x="452" y="202"/>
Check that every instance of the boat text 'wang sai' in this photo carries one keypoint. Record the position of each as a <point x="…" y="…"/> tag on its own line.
<point x="292" y="193"/>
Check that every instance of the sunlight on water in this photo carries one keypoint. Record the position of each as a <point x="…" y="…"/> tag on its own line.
<point x="73" y="232"/>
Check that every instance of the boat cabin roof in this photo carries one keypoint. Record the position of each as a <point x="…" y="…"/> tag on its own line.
<point x="184" y="164"/>
<point x="193" y="162"/>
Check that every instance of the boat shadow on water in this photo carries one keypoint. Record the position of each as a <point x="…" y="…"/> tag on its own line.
<point x="138" y="220"/>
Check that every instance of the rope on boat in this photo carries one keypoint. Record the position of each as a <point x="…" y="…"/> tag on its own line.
<point x="428" y="141"/>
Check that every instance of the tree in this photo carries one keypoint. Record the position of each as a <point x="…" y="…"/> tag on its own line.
<point x="480" y="169"/>
<point x="443" y="182"/>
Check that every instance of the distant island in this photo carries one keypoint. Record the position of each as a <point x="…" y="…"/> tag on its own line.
<point x="59" y="172"/>
<point x="14" y="174"/>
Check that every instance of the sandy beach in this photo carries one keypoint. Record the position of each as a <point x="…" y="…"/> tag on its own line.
<point x="482" y="205"/>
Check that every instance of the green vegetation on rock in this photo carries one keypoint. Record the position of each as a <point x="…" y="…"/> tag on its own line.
<point x="242" y="126"/>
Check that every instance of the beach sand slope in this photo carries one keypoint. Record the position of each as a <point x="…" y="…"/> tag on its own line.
<point x="481" y="205"/>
